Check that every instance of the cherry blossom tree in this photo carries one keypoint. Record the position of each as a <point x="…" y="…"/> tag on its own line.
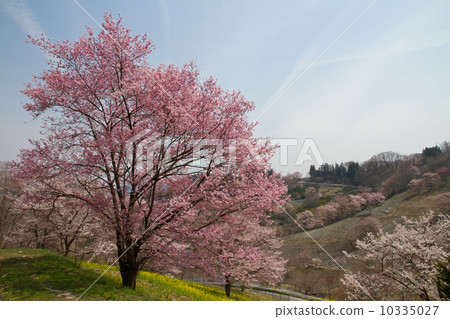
<point x="307" y="220"/>
<point x="355" y="204"/>
<point x="31" y="230"/>
<point x="8" y="190"/>
<point x="403" y="261"/>
<point x="156" y="153"/>
<point x="340" y="207"/>
<point x="46" y="220"/>
<point x="417" y="185"/>
<point x="366" y="285"/>
<point x="327" y="213"/>
<point x="312" y="193"/>
<point x="373" y="199"/>
<point x="443" y="173"/>
<point x="426" y="183"/>
<point x="241" y="250"/>
<point x="367" y="225"/>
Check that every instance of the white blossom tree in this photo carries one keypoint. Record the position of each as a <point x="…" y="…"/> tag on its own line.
<point x="402" y="262"/>
<point x="45" y="219"/>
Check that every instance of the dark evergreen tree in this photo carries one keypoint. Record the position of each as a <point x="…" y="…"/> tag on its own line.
<point x="312" y="171"/>
<point x="352" y="173"/>
<point x="428" y="152"/>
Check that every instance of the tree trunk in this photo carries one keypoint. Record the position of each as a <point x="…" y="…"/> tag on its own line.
<point x="66" y="247"/>
<point x="227" y="286"/>
<point x="129" y="276"/>
<point x="129" y="268"/>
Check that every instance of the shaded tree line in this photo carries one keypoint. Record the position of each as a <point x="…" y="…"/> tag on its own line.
<point x="335" y="173"/>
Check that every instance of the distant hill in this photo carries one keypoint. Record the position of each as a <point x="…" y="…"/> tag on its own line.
<point x="379" y="168"/>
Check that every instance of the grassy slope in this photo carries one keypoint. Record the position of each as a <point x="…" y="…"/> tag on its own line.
<point x="34" y="274"/>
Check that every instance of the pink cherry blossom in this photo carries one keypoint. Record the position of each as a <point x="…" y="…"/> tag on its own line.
<point x="124" y="135"/>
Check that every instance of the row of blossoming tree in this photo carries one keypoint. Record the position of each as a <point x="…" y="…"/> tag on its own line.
<point x="340" y="207"/>
<point x="161" y="162"/>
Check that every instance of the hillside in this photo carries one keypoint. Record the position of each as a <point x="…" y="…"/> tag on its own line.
<point x="36" y="274"/>
<point x="312" y="271"/>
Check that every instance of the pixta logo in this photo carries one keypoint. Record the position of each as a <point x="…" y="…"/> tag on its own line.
<point x="308" y="152"/>
<point x="147" y="148"/>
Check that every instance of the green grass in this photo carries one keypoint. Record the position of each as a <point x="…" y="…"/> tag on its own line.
<point x="36" y="274"/>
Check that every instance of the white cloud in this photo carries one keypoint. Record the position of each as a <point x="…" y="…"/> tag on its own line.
<point x="22" y="15"/>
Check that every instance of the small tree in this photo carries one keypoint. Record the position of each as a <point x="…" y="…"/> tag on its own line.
<point x="373" y="199"/>
<point x="8" y="191"/>
<point x="367" y="225"/>
<point x="311" y="192"/>
<point x="417" y="185"/>
<point x="47" y="220"/>
<point x="327" y="213"/>
<point x="307" y="220"/>
<point x="347" y="206"/>
<point x="240" y="251"/>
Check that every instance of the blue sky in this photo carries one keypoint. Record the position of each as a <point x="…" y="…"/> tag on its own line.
<point x="383" y="86"/>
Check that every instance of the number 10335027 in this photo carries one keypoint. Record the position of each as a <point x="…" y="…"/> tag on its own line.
<point x="409" y="310"/>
